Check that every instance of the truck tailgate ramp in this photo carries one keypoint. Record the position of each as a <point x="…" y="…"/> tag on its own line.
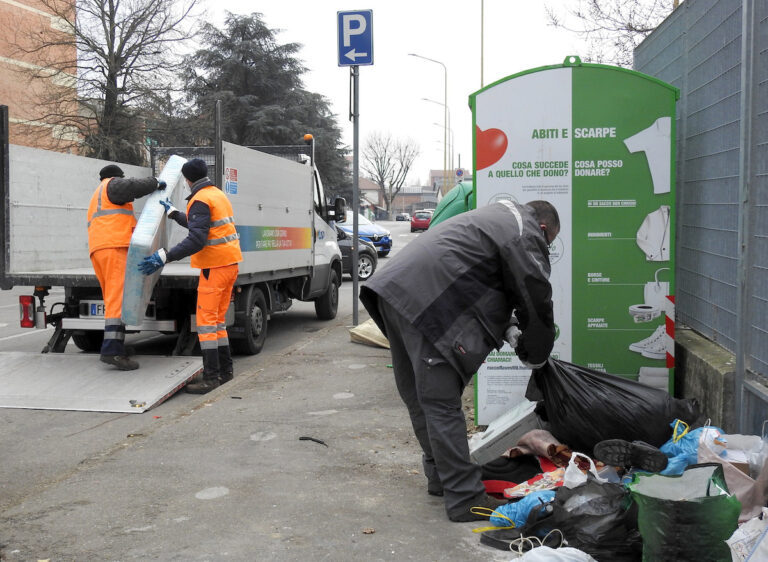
<point x="55" y="381"/>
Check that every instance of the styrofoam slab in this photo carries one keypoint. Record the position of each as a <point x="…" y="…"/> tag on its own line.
<point x="63" y="381"/>
<point x="149" y="235"/>
<point x="503" y="432"/>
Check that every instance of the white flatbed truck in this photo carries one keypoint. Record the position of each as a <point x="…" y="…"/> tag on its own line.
<point x="287" y="239"/>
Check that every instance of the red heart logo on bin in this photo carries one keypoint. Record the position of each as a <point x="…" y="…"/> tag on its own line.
<point x="491" y="146"/>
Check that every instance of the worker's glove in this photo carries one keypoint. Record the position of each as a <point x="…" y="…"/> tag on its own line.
<point x="161" y="184"/>
<point x="169" y="208"/>
<point x="522" y="354"/>
<point x="152" y="263"/>
<point x="512" y="332"/>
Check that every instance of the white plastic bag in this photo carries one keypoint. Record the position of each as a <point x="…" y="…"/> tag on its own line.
<point x="563" y="554"/>
<point x="749" y="542"/>
<point x="574" y="476"/>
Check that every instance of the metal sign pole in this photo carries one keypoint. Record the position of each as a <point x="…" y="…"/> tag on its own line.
<point x="355" y="35"/>
<point x="355" y="75"/>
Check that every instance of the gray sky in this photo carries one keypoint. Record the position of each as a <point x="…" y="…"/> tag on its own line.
<point x="517" y="38"/>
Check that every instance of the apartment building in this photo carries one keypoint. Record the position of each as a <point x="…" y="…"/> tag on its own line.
<point x="38" y="85"/>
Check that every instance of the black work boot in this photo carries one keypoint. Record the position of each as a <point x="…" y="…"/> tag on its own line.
<point x="225" y="364"/>
<point x="122" y="362"/>
<point x="635" y="454"/>
<point x="202" y="387"/>
<point x="483" y="501"/>
<point x="210" y="374"/>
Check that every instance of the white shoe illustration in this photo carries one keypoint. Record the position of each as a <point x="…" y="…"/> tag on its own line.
<point x="656" y="349"/>
<point x="658" y="335"/>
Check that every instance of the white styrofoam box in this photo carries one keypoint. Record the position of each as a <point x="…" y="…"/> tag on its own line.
<point x="149" y="235"/>
<point x="504" y="432"/>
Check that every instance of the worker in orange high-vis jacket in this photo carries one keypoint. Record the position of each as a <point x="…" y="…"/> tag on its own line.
<point x="213" y="244"/>
<point x="110" y="226"/>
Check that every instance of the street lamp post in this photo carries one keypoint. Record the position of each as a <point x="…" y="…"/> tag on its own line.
<point x="445" y="116"/>
<point x="451" y="143"/>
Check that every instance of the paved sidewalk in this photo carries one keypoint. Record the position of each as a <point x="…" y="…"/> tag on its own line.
<point x="226" y="477"/>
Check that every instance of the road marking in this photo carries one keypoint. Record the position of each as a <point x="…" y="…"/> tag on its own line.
<point x="48" y="329"/>
<point x="212" y="493"/>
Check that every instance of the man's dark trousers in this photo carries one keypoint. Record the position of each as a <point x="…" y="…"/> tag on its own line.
<point x="431" y="389"/>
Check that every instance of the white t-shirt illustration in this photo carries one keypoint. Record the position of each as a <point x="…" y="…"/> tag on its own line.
<point x="655" y="142"/>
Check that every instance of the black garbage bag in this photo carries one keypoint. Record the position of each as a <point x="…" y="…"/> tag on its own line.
<point x="584" y="407"/>
<point x="599" y="519"/>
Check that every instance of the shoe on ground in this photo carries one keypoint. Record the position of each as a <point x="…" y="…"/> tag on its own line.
<point x="120" y="361"/>
<point x="635" y="454"/>
<point x="483" y="500"/>
<point x="225" y="378"/>
<point x="202" y="387"/>
<point x="435" y="489"/>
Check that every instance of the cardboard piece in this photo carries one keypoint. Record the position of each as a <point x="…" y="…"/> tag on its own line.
<point x="149" y="235"/>
<point x="503" y="433"/>
<point x="368" y="333"/>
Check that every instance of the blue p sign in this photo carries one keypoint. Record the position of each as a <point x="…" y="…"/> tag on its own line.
<point x="355" y="30"/>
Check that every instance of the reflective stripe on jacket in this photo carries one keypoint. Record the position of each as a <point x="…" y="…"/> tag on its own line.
<point x="109" y="225"/>
<point x="222" y="247"/>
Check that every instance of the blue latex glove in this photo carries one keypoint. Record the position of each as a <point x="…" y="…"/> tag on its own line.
<point x="169" y="208"/>
<point x="161" y="184"/>
<point x="152" y="263"/>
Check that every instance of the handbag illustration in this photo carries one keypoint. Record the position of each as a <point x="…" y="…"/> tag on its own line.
<point x="655" y="296"/>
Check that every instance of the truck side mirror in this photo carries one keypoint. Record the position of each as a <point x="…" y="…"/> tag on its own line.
<point x="340" y="209"/>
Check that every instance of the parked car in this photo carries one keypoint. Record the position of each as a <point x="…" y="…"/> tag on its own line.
<point x="402" y="217"/>
<point x="370" y="231"/>
<point x="420" y="220"/>
<point x="367" y="256"/>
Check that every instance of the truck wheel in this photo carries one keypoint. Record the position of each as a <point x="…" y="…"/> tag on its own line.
<point x="89" y="340"/>
<point x="326" y="305"/>
<point x="255" y="325"/>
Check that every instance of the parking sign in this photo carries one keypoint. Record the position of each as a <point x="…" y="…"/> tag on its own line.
<point x="355" y="34"/>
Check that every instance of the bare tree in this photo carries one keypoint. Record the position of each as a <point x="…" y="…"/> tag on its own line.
<point x="613" y="28"/>
<point x="97" y="61"/>
<point x="387" y="162"/>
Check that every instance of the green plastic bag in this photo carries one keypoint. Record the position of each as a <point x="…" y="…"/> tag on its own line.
<point x="455" y="202"/>
<point x="685" y="517"/>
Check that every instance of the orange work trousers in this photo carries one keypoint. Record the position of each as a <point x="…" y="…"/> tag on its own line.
<point x="214" y="291"/>
<point x="109" y="265"/>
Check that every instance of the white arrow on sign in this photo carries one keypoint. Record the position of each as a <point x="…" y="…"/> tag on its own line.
<point x="352" y="55"/>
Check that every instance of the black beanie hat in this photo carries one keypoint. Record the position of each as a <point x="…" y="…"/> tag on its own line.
<point x="194" y="169"/>
<point x="110" y="171"/>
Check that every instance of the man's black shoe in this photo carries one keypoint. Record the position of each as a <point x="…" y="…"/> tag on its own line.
<point x="435" y="489"/>
<point x="636" y="454"/>
<point x="483" y="500"/>
<point x="202" y="387"/>
<point x="225" y="378"/>
<point x="120" y="361"/>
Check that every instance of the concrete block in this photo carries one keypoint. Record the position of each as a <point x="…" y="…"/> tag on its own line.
<point x="705" y="371"/>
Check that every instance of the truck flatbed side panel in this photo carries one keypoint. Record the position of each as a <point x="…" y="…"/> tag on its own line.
<point x="47" y="204"/>
<point x="79" y="381"/>
<point x="272" y="201"/>
<point x="149" y="235"/>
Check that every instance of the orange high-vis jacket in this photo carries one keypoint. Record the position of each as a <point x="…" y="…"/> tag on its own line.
<point x="109" y="225"/>
<point x="222" y="247"/>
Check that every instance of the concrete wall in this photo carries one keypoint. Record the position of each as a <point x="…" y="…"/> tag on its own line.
<point x="705" y="371"/>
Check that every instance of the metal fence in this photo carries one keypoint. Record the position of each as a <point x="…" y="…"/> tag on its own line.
<point x="716" y="52"/>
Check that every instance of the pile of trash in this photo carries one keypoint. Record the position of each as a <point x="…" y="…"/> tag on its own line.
<point x="598" y="467"/>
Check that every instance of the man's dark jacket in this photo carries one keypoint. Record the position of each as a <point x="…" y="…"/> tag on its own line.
<point x="459" y="283"/>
